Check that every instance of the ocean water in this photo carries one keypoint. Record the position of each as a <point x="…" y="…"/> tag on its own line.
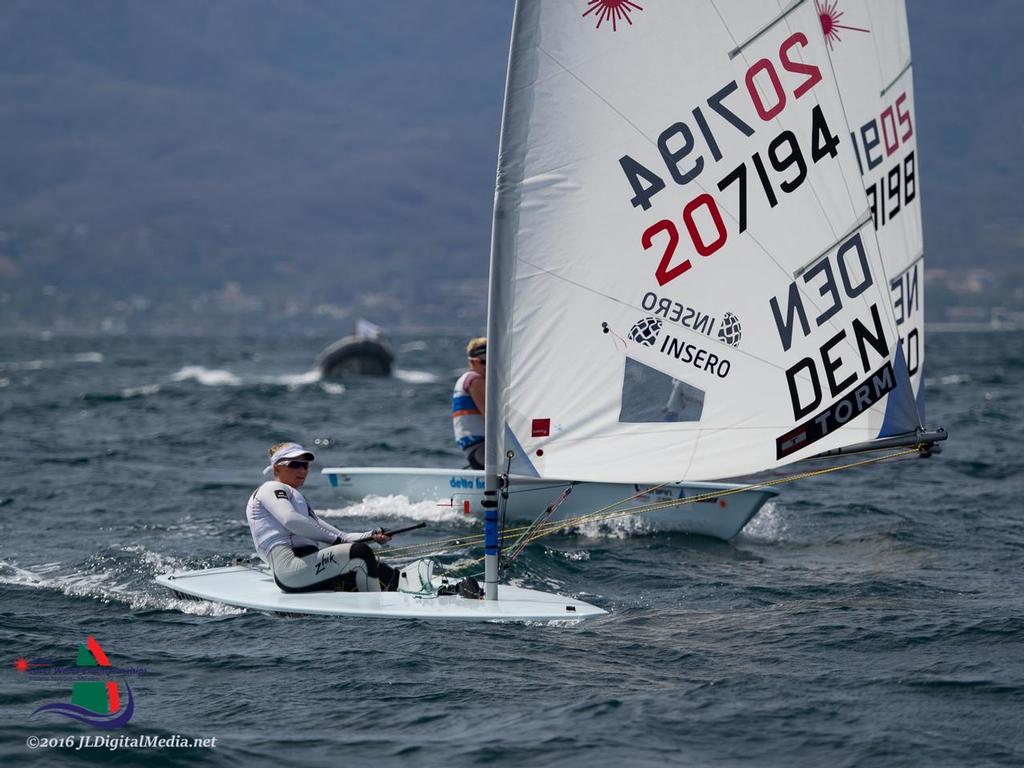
<point x="870" y="617"/>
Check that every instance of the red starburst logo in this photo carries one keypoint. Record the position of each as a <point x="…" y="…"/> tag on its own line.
<point x="829" y="15"/>
<point x="24" y="665"/>
<point x="616" y="10"/>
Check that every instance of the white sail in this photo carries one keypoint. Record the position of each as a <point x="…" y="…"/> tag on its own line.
<point x="685" y="281"/>
<point x="869" y="45"/>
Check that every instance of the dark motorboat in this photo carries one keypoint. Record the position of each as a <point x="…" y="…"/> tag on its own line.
<point x="365" y="353"/>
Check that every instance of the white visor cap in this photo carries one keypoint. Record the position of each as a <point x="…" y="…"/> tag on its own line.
<point x="286" y="452"/>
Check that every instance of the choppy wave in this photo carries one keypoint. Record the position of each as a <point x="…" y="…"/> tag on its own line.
<point x="39" y="364"/>
<point x="126" y="576"/>
<point x="413" y="346"/>
<point x="948" y="380"/>
<point x="770" y="524"/>
<point x="221" y="377"/>
<point x="127" y="393"/>
<point x="617" y="528"/>
<point x="332" y="387"/>
<point x="855" y="611"/>
<point x="143" y="391"/>
<point x="293" y="380"/>
<point x="207" y="377"/>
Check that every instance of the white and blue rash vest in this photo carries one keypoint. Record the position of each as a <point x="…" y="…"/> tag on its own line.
<point x="467" y="421"/>
<point x="279" y="514"/>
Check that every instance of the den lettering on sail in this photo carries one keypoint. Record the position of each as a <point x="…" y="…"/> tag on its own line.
<point x="838" y="279"/>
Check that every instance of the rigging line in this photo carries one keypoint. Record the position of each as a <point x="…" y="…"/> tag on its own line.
<point x="704" y="497"/>
<point x="602" y="515"/>
<point x="554" y="527"/>
<point x="856" y="227"/>
<point x="910" y="265"/>
<point x="875" y="42"/>
<point x="849" y="132"/>
<point x="515" y="550"/>
<point x="896" y="79"/>
<point x="606" y="513"/>
<point x="609" y="512"/>
<point x="506" y="533"/>
<point x="725" y="26"/>
<point x="446" y="544"/>
<point x="607" y="103"/>
<point x="653" y="507"/>
<point x="450" y="544"/>
<point x="739" y="48"/>
<point x="865" y="300"/>
<point x="778" y="123"/>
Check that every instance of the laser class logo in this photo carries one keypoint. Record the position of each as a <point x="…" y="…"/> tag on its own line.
<point x="829" y="16"/>
<point x="96" y="699"/>
<point x="614" y="10"/>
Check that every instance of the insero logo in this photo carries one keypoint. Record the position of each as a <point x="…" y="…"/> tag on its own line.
<point x="730" y="331"/>
<point x="646" y="331"/>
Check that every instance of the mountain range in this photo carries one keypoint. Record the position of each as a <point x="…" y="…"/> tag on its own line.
<point x="168" y="164"/>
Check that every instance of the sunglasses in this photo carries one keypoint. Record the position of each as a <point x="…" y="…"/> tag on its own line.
<point x="295" y="464"/>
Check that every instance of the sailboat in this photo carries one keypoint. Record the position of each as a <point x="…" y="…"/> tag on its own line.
<point x="659" y="163"/>
<point x="868" y="49"/>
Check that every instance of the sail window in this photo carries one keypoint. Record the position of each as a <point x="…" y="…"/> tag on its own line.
<point x="648" y="395"/>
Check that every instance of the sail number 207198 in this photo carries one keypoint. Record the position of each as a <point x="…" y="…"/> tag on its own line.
<point x="784" y="155"/>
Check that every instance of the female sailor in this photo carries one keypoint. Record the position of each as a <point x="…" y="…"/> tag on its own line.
<point x="306" y="553"/>
<point x="468" y="404"/>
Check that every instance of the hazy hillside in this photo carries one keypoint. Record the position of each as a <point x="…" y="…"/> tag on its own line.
<point x="312" y="152"/>
<point x="308" y="150"/>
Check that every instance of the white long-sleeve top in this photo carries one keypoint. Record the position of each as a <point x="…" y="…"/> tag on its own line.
<point x="279" y="514"/>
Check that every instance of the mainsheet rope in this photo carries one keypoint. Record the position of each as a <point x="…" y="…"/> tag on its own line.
<point x="527" y="534"/>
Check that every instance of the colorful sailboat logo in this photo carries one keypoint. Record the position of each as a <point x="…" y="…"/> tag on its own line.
<point x="94" y="702"/>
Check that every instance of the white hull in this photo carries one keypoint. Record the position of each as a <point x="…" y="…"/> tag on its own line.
<point x="254" y="588"/>
<point x="720" y="517"/>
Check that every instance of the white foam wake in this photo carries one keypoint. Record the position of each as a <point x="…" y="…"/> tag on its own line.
<point x="206" y="376"/>
<point x="114" y="585"/>
<point x="293" y="380"/>
<point x="35" y="365"/>
<point x="415" y="377"/>
<point x="218" y="377"/>
<point x="375" y="508"/>
<point x="143" y="391"/>
<point x="768" y="525"/>
<point x="945" y="381"/>
<point x="332" y="387"/>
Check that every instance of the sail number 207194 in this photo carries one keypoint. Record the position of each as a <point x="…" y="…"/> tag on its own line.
<point x="676" y="144"/>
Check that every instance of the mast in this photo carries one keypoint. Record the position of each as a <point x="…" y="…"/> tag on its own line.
<point x="506" y="200"/>
<point x="671" y="210"/>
